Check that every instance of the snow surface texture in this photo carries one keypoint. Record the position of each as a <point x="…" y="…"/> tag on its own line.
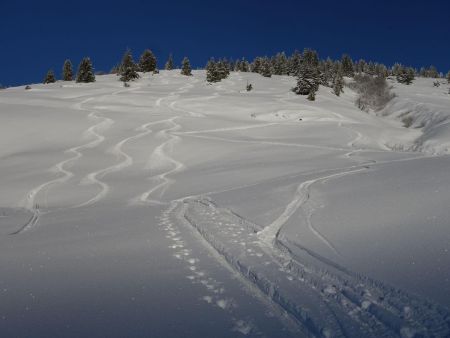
<point x="178" y="208"/>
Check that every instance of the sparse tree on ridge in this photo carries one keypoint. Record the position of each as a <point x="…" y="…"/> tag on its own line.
<point x="186" y="67"/>
<point x="67" y="71"/>
<point x="128" y="69"/>
<point x="448" y="76"/>
<point x="169" y="64"/>
<point x="85" y="71"/>
<point x="50" y="77"/>
<point x="147" y="61"/>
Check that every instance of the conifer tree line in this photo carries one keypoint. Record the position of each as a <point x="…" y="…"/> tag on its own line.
<point x="310" y="71"/>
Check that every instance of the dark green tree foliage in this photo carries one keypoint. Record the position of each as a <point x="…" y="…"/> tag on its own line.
<point x="310" y="57"/>
<point x="326" y="72"/>
<point x="256" y="65"/>
<point x="50" y="77"/>
<point x="67" y="71"/>
<point x="211" y="71"/>
<point x="85" y="71"/>
<point x="294" y="62"/>
<point x="186" y="67"/>
<point x="338" y="80"/>
<point x="280" y="64"/>
<point x="128" y="69"/>
<point x="265" y="69"/>
<point x="147" y="61"/>
<point x="308" y="80"/>
<point x="347" y="66"/>
<point x="448" y="76"/>
<point x="405" y="75"/>
<point x="169" y="64"/>
<point x="222" y="70"/>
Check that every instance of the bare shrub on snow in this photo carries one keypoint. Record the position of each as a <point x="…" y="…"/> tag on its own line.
<point x="374" y="92"/>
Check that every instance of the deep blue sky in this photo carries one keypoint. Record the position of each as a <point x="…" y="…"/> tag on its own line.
<point x="38" y="35"/>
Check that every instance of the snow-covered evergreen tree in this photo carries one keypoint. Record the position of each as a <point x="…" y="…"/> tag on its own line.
<point x="405" y="75"/>
<point x="67" y="71"/>
<point x="211" y="71"/>
<point x="222" y="70"/>
<point x="308" y="79"/>
<point x="147" y="61"/>
<point x="294" y="63"/>
<point x="448" y="76"/>
<point x="347" y="66"/>
<point x="326" y="72"/>
<point x="265" y="68"/>
<point x="338" y="80"/>
<point x="361" y="66"/>
<point x="85" y="71"/>
<point x="186" y="67"/>
<point x="280" y="64"/>
<point x="169" y="64"/>
<point x="310" y="57"/>
<point x="255" y="67"/>
<point x="244" y="66"/>
<point x="128" y="69"/>
<point x="50" y="77"/>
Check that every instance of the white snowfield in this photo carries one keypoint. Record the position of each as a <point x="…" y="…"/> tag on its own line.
<point x="175" y="208"/>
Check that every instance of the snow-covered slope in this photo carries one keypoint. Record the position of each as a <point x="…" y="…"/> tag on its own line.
<point x="177" y="208"/>
<point x="424" y="106"/>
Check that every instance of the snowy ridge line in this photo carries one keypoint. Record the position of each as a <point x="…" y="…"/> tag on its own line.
<point x="347" y="304"/>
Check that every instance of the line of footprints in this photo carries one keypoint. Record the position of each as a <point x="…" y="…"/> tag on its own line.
<point x="215" y="289"/>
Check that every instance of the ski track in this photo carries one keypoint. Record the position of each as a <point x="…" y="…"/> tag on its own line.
<point x="29" y="202"/>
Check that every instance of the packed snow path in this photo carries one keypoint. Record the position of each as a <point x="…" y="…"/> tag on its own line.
<point x="178" y="208"/>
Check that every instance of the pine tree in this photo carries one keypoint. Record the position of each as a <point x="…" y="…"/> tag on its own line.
<point x="308" y="79"/>
<point x="50" y="77"/>
<point x="85" y="71"/>
<point x="256" y="65"/>
<point x="222" y="70"/>
<point x="338" y="82"/>
<point x="312" y="96"/>
<point x="448" y="76"/>
<point x="67" y="71"/>
<point x="310" y="57"/>
<point x="128" y="69"/>
<point x="280" y="64"/>
<point x="147" y="61"/>
<point x="265" y="68"/>
<point x="294" y="62"/>
<point x="186" y="67"/>
<point x="169" y="64"/>
<point x="347" y="66"/>
<point x="211" y="71"/>
<point x="405" y="75"/>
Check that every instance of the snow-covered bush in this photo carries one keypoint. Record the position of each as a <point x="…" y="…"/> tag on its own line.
<point x="374" y="92"/>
